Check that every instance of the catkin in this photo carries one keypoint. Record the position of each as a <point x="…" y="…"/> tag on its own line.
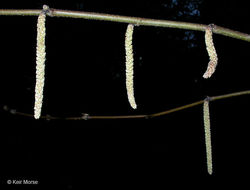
<point x="130" y="65"/>
<point x="207" y="136"/>
<point x="211" y="52"/>
<point x="40" y="64"/>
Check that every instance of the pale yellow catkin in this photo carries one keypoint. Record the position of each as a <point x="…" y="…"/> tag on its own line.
<point x="211" y="52"/>
<point x="40" y="64"/>
<point x="130" y="65"/>
<point x="208" y="136"/>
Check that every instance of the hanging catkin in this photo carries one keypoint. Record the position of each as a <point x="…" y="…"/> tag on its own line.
<point x="130" y="65"/>
<point x="207" y="136"/>
<point x="40" y="63"/>
<point x="211" y="52"/>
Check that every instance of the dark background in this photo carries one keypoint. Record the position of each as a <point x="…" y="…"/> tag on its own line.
<point x="85" y="73"/>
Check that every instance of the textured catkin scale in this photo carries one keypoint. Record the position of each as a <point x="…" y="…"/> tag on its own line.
<point x="211" y="52"/>
<point x="40" y="64"/>
<point x="207" y="136"/>
<point x="130" y="65"/>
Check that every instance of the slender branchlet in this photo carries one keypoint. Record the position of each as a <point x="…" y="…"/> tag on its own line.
<point x="40" y="62"/>
<point x="207" y="136"/>
<point x="130" y="65"/>
<point x="211" y="52"/>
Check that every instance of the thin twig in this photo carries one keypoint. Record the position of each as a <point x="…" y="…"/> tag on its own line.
<point x="87" y="116"/>
<point x="127" y="19"/>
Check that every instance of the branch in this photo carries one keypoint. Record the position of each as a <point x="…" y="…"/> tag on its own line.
<point x="127" y="19"/>
<point x="87" y="116"/>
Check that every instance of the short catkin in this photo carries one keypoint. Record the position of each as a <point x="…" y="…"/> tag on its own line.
<point x="207" y="136"/>
<point x="40" y="64"/>
<point x="211" y="52"/>
<point x="130" y="65"/>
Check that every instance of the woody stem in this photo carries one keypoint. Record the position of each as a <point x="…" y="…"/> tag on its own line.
<point x="127" y="19"/>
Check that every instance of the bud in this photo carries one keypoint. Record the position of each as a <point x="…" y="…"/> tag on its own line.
<point x="207" y="136"/>
<point x="130" y="65"/>
<point x="40" y="64"/>
<point x="211" y="52"/>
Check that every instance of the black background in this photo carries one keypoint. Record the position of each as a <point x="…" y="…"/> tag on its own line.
<point x="85" y="73"/>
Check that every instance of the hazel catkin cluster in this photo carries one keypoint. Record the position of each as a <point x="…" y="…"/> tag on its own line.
<point x="208" y="143"/>
<point x="40" y="64"/>
<point x="211" y="52"/>
<point x="130" y="65"/>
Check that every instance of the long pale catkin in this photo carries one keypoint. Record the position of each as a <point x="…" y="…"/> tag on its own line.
<point x="130" y="65"/>
<point x="40" y="64"/>
<point x="211" y="52"/>
<point x="208" y="136"/>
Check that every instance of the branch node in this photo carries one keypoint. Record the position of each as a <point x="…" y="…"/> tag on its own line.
<point x="48" y="117"/>
<point x="6" y="108"/>
<point x="85" y="116"/>
<point x="12" y="111"/>
<point x="212" y="26"/>
<point x="208" y="99"/>
<point x="47" y="11"/>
